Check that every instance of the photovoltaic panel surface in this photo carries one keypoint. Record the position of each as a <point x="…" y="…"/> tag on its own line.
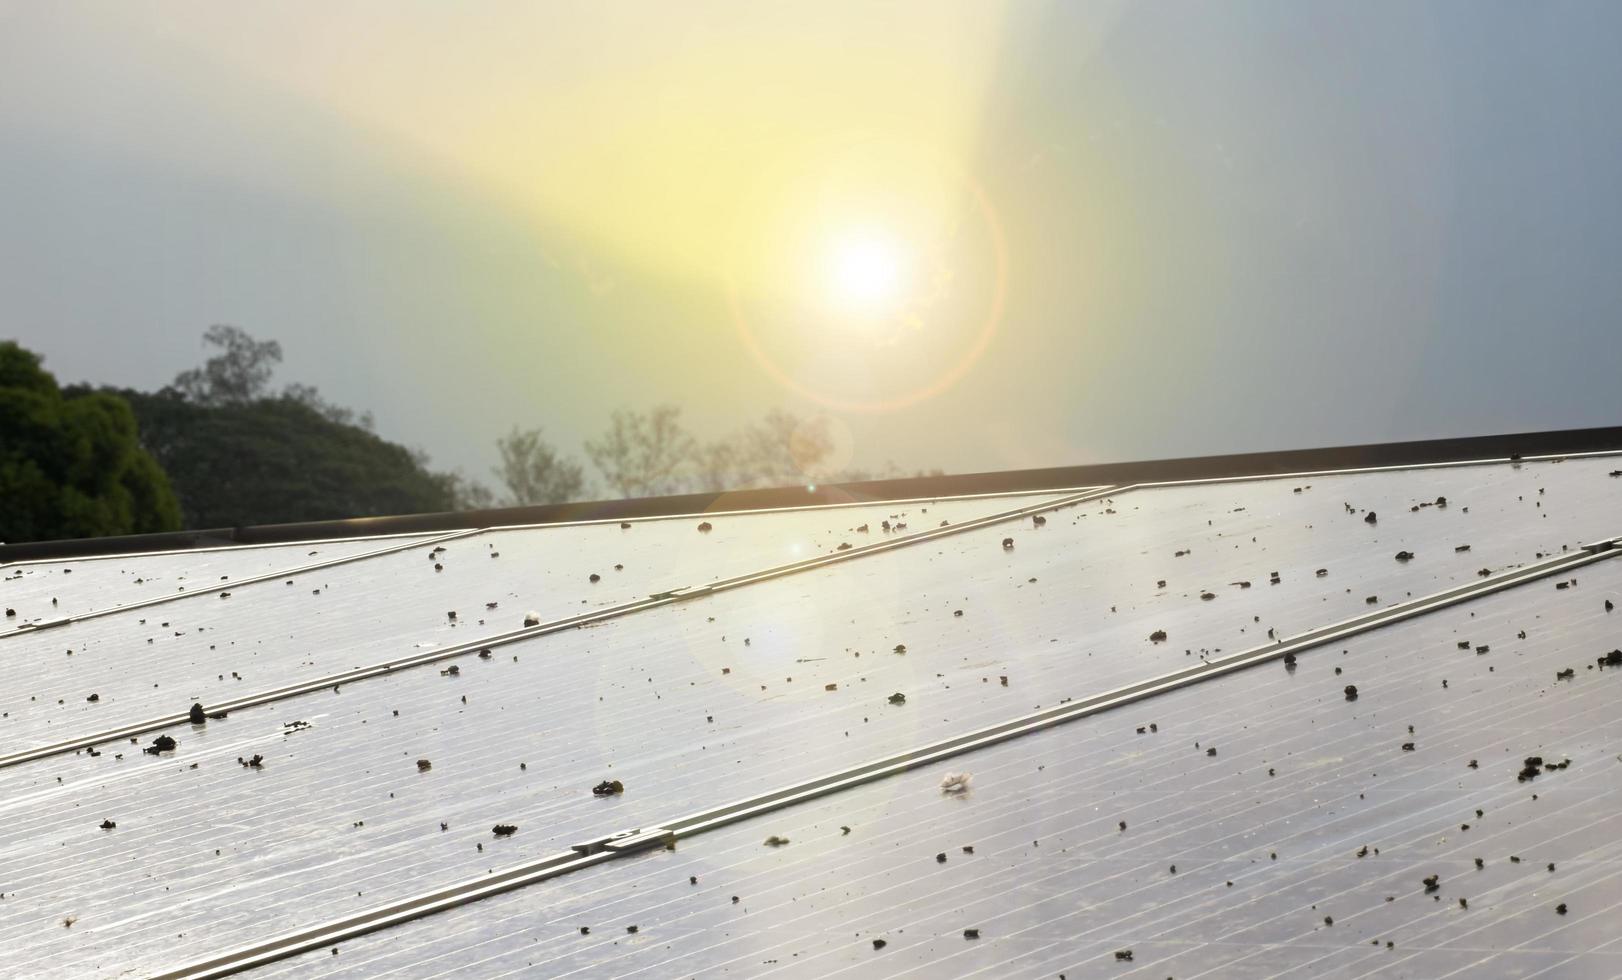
<point x="1302" y="846"/>
<point x="41" y="591"/>
<point x="234" y="641"/>
<point x="676" y="704"/>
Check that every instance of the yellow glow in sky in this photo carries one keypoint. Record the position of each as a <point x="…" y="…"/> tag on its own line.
<point x="649" y="128"/>
<point x="872" y="278"/>
<point x="810" y="167"/>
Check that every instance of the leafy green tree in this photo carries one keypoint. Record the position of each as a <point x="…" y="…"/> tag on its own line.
<point x="278" y="460"/>
<point x="71" y="465"/>
<point x="240" y="453"/>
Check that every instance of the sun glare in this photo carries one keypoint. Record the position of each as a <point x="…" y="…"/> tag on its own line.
<point x="869" y="277"/>
<point x="866" y="274"/>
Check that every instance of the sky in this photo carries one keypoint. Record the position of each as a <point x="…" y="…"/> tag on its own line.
<point x="974" y="236"/>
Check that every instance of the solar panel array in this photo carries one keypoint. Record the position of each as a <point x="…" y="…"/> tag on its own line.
<point x="1190" y="818"/>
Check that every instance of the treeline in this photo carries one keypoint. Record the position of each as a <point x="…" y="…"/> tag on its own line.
<point x="221" y="446"/>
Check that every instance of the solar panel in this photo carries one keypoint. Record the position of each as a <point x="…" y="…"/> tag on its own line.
<point x="237" y="641"/>
<point x="46" y="590"/>
<point x="1303" y="844"/>
<point x="704" y="698"/>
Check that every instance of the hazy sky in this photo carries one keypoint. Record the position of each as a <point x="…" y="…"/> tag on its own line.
<point x="978" y="236"/>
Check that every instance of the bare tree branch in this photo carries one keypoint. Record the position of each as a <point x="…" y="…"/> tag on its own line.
<point x="644" y="454"/>
<point x="533" y="472"/>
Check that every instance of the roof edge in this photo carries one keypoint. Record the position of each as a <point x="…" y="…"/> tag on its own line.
<point x="1419" y="452"/>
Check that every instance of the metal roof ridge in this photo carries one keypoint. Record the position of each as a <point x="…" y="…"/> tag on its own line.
<point x="1548" y="444"/>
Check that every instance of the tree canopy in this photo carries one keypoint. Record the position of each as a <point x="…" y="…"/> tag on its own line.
<point x="71" y="465"/>
<point x="239" y="452"/>
<point x="220" y="447"/>
<point x="276" y="460"/>
<point x="238" y="374"/>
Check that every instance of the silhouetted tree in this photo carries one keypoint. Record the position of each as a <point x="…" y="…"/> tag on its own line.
<point x="780" y="450"/>
<point x="648" y="453"/>
<point x="464" y="493"/>
<point x="644" y="454"/>
<point x="241" y="373"/>
<point x="238" y="374"/>
<point x="72" y="466"/>
<point x="308" y="395"/>
<point x="534" y="473"/>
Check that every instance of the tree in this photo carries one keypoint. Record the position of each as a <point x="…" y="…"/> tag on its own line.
<point x="779" y="450"/>
<point x="237" y="375"/>
<point x="277" y="460"/>
<point x="465" y="493"/>
<point x="239" y="454"/>
<point x="644" y="454"/>
<point x="782" y="449"/>
<point x="534" y="473"/>
<point x="308" y="395"/>
<point x="649" y="453"/>
<point x="241" y="373"/>
<point x="72" y="466"/>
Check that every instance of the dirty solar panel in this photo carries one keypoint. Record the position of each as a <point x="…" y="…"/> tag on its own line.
<point x="154" y="662"/>
<point x="82" y="585"/>
<point x="1306" y="845"/>
<point x="672" y="702"/>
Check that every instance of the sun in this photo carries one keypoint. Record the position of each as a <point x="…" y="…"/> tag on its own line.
<point x="867" y="273"/>
<point x="868" y="277"/>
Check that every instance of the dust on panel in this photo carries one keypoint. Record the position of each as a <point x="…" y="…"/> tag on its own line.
<point x="101" y="674"/>
<point x="1255" y="825"/>
<point x="676" y="705"/>
<point x="35" y="592"/>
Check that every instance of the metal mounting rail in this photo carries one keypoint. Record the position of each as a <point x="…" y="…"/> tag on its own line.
<point x="28" y="629"/>
<point x="214" y="549"/>
<point x="608" y="847"/>
<point x="93" y="739"/>
<point x="1122" y="488"/>
<point x="485" y="528"/>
